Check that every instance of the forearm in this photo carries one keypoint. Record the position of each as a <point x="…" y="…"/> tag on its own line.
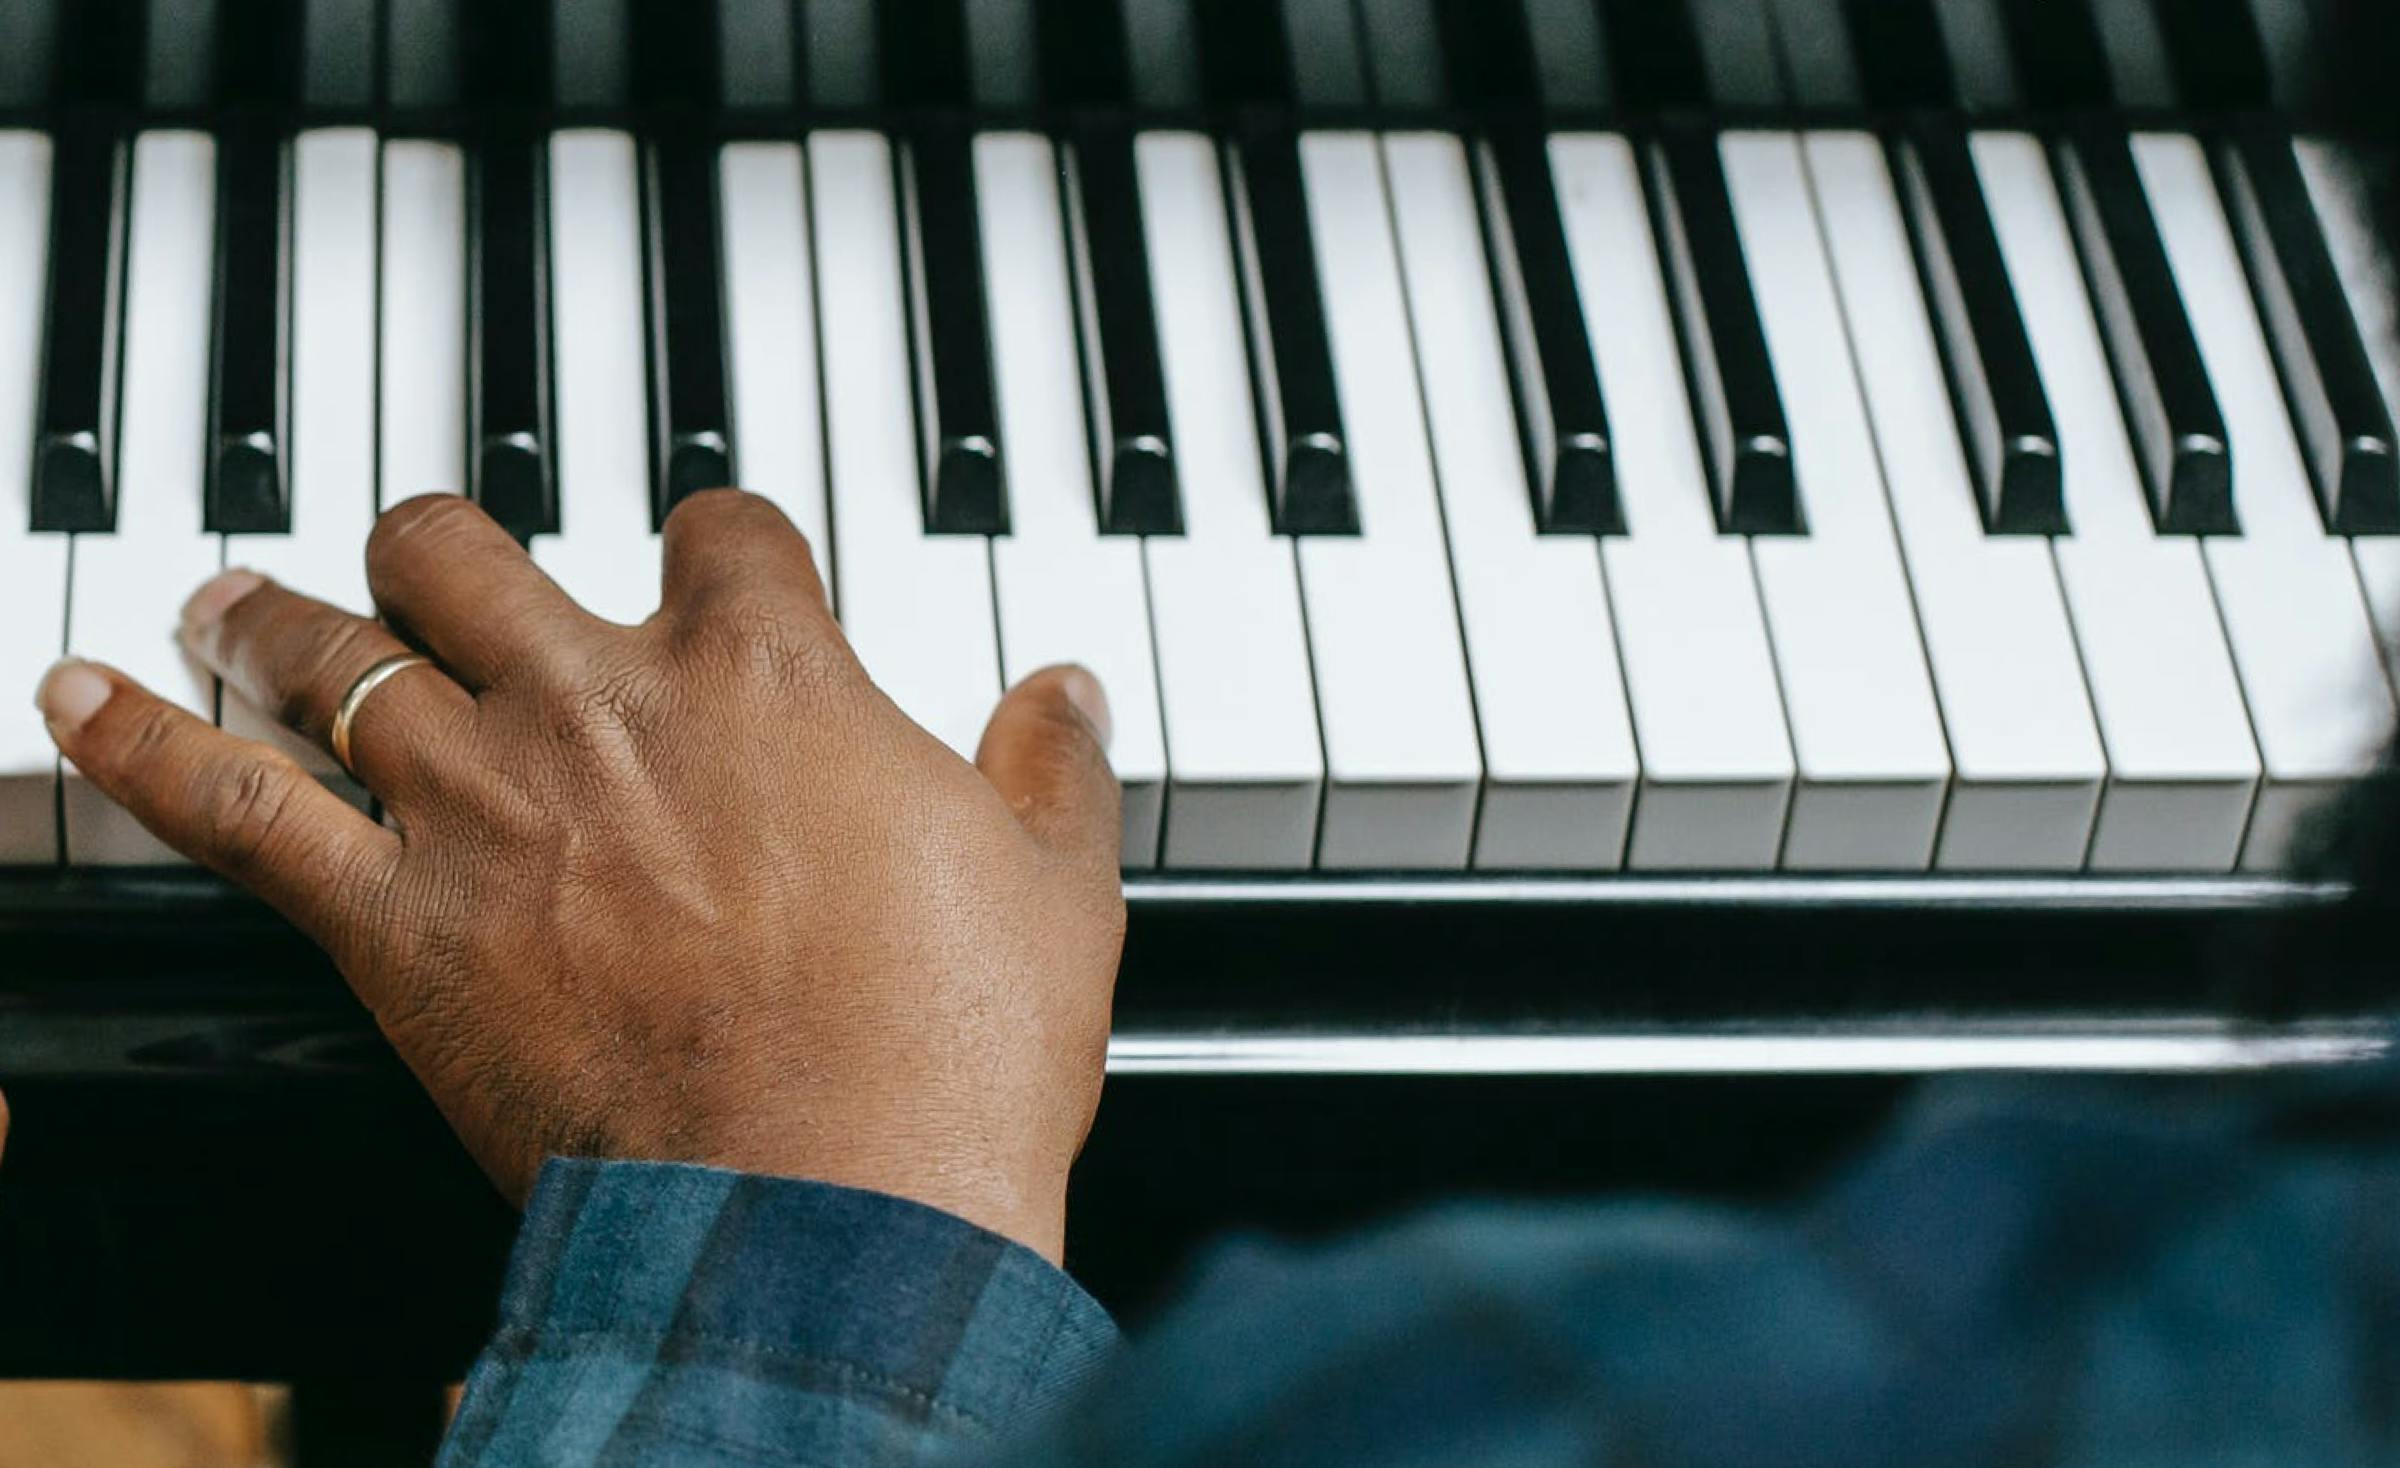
<point x="656" y="1311"/>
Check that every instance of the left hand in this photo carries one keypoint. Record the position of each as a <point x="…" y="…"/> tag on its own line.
<point x="695" y="890"/>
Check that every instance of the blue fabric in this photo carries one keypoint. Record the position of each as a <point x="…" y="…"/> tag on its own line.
<point x="2020" y="1274"/>
<point x="657" y="1313"/>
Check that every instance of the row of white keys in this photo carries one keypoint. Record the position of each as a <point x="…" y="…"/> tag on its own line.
<point x="1559" y="762"/>
<point x="1064" y="592"/>
<point x="2295" y="617"/>
<point x="917" y="607"/>
<point x="334" y="182"/>
<point x="128" y="587"/>
<point x="1873" y="769"/>
<point x="1402" y="765"/>
<point x="1246" y="771"/>
<point x="423" y="368"/>
<point x="771" y="334"/>
<point x="1716" y="761"/>
<point x="2029" y="766"/>
<point x="606" y="553"/>
<point x="2182" y="766"/>
<point x="2362" y="259"/>
<point x="33" y="568"/>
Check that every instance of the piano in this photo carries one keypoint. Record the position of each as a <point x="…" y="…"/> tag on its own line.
<point x="1680" y="539"/>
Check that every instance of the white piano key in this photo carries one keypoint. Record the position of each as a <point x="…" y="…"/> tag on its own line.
<point x="917" y="607"/>
<point x="28" y="33"/>
<point x="1865" y="727"/>
<point x="2362" y="260"/>
<point x="1400" y="751"/>
<point x="591" y="63"/>
<point x="2182" y="764"/>
<point x="2029" y="767"/>
<point x="1065" y="593"/>
<point x="771" y="335"/>
<point x="757" y="53"/>
<point x="334" y="188"/>
<point x="1245" y="769"/>
<point x="33" y="568"/>
<point x="1700" y="677"/>
<point x="128" y="588"/>
<point x="2302" y="641"/>
<point x="605" y="553"/>
<point x="424" y="321"/>
<point x="1559" y="762"/>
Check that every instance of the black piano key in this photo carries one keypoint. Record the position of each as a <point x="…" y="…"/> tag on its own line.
<point x="246" y="459"/>
<point x="2218" y="55"/>
<point x="261" y="56"/>
<point x="1656" y="54"/>
<point x="506" y="60"/>
<point x="690" y="434"/>
<point x="966" y="491"/>
<point x="1244" y="55"/>
<point x="2343" y="424"/>
<point x="74" y="472"/>
<point x="1735" y="402"/>
<point x="926" y="56"/>
<point x="508" y="324"/>
<point x="1132" y="440"/>
<point x="1995" y="387"/>
<point x="1081" y="46"/>
<point x="1900" y="52"/>
<point x="1560" y="414"/>
<point x="675" y="56"/>
<point x="1486" y="55"/>
<point x="2170" y="410"/>
<point x="1300" y="411"/>
<point x="102" y="49"/>
<point x="2056" y="46"/>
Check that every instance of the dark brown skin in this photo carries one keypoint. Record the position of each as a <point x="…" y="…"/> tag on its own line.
<point x="695" y="890"/>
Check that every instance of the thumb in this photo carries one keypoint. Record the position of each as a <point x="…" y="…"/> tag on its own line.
<point x="1046" y="752"/>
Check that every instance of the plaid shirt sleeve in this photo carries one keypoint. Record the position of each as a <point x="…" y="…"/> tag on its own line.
<point x="664" y="1314"/>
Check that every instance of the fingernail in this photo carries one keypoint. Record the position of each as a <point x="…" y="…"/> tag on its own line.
<point x="1091" y="700"/>
<point x="70" y="694"/>
<point x="208" y="604"/>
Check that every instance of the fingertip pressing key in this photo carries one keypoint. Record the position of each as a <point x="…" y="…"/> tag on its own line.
<point x="70" y="693"/>
<point x="215" y="598"/>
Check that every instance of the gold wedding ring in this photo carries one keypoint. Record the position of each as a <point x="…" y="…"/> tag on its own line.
<point x="373" y="678"/>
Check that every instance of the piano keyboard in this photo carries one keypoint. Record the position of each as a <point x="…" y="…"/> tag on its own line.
<point x="1497" y="495"/>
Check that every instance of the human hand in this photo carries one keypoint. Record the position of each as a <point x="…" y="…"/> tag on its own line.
<point x="695" y="890"/>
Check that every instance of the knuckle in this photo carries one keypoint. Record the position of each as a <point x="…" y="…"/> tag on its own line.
<point x="152" y="736"/>
<point x="427" y="518"/>
<point x="245" y="809"/>
<point x="765" y="647"/>
<point x="319" y="670"/>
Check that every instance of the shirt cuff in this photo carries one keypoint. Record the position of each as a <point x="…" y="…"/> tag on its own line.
<point x="657" y="1306"/>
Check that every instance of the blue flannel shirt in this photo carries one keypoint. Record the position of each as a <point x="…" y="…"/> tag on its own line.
<point x="2021" y="1274"/>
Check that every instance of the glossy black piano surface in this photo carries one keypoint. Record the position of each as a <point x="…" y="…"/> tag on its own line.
<point x="1889" y="507"/>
